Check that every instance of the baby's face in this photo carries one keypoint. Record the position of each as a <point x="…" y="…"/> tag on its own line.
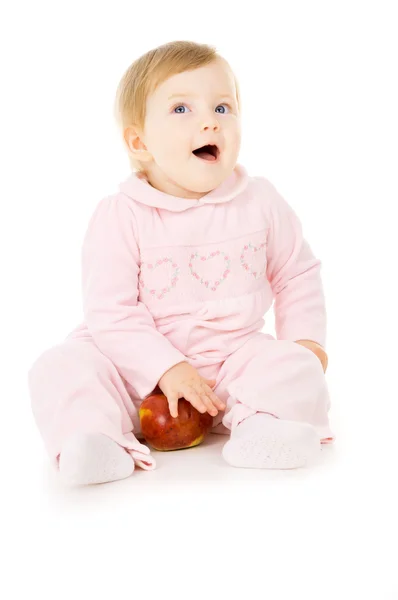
<point x="188" y="111"/>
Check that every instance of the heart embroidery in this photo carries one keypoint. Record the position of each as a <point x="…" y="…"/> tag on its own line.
<point x="172" y="277"/>
<point x="210" y="284"/>
<point x="249" y="267"/>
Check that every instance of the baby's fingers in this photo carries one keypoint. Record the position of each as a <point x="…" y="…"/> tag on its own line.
<point x="193" y="398"/>
<point x="172" y="399"/>
<point x="214" y="398"/>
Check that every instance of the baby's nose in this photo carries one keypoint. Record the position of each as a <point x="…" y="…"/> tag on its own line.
<point x="211" y="125"/>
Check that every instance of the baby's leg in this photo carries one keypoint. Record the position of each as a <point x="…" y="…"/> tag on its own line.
<point x="85" y="414"/>
<point x="277" y="404"/>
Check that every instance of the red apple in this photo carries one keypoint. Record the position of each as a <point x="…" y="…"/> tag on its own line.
<point x="164" y="432"/>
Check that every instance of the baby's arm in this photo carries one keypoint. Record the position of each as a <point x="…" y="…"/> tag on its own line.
<point x="295" y="276"/>
<point x="121" y="326"/>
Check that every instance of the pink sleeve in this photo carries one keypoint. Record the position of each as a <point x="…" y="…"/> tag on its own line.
<point x="121" y="325"/>
<point x="294" y="275"/>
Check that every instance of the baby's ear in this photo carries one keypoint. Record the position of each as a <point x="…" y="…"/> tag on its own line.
<point x="135" y="145"/>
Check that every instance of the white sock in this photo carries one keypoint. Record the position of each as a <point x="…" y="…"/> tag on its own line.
<point x="265" y="442"/>
<point x="88" y="458"/>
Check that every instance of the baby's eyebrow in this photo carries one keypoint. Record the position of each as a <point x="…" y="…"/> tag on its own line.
<point x="196" y="96"/>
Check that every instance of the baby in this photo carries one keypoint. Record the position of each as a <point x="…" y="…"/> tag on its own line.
<point x="179" y="267"/>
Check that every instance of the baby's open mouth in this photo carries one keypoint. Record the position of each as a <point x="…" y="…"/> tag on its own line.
<point x="209" y="152"/>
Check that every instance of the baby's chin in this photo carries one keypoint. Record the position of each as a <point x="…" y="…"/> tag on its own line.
<point x="203" y="181"/>
<point x="203" y="186"/>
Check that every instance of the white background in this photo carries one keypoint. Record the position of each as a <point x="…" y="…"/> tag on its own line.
<point x="319" y="91"/>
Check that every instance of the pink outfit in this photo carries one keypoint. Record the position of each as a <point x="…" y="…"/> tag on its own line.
<point x="167" y="279"/>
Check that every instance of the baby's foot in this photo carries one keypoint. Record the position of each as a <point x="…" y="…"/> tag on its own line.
<point x="88" y="458"/>
<point x="265" y="442"/>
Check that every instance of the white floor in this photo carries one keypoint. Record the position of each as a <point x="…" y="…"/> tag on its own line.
<point x="196" y="527"/>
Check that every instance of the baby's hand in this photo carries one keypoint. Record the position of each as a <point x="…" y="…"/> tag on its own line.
<point x="184" y="381"/>
<point x="317" y="350"/>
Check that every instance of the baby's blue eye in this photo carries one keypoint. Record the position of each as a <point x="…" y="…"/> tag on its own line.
<point x="223" y="112"/>
<point x="178" y="111"/>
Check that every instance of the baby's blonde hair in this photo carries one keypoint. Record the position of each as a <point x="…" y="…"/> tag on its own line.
<point x="146" y="73"/>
